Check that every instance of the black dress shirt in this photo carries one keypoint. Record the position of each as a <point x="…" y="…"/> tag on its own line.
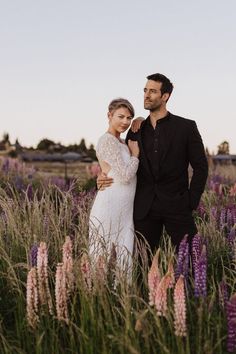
<point x="154" y="141"/>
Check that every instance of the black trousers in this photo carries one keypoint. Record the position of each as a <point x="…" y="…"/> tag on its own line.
<point x="177" y="223"/>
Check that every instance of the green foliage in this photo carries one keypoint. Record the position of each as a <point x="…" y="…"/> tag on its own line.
<point x="45" y="144"/>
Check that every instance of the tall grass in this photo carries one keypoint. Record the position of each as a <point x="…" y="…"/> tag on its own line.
<point x="112" y="315"/>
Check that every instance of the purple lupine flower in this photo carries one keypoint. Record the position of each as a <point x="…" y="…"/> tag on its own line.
<point x="222" y="218"/>
<point x="18" y="183"/>
<point x="59" y="182"/>
<point x="183" y="258"/>
<point x="229" y="219"/>
<point x="33" y="255"/>
<point x="231" y="324"/>
<point x="200" y="276"/>
<point x="6" y="165"/>
<point x="231" y="238"/>
<point x="201" y="210"/>
<point x="213" y="212"/>
<point x="223" y="294"/>
<point x="196" y="250"/>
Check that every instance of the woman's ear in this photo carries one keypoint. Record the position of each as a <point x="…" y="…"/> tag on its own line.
<point x="109" y="115"/>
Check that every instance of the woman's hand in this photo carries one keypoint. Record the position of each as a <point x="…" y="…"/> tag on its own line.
<point x="103" y="181"/>
<point x="136" y="124"/>
<point x="134" y="148"/>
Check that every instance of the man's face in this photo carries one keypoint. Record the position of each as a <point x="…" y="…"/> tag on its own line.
<point x="153" y="99"/>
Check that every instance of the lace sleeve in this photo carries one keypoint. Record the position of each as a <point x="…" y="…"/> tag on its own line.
<point x="109" y="150"/>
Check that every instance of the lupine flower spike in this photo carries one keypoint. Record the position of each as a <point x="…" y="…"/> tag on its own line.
<point x="33" y="255"/>
<point x="61" y="294"/>
<point x="180" y="308"/>
<point x="196" y="250"/>
<point x="183" y="258"/>
<point x="67" y="260"/>
<point x="231" y="324"/>
<point x="161" y="295"/>
<point x="223" y="294"/>
<point x="200" y="276"/>
<point x="154" y="278"/>
<point x="42" y="264"/>
<point x="86" y="271"/>
<point x="101" y="270"/>
<point x="32" y="298"/>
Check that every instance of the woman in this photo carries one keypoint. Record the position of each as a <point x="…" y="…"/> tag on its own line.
<point x="111" y="216"/>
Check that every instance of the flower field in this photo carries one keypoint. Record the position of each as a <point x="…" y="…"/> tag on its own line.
<point x="53" y="301"/>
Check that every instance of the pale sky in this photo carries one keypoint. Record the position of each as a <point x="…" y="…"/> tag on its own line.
<point x="62" y="62"/>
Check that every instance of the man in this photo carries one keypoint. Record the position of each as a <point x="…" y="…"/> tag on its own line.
<point x="168" y="144"/>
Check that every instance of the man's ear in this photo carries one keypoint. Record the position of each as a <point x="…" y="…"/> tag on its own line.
<point x="109" y="115"/>
<point x="165" y="96"/>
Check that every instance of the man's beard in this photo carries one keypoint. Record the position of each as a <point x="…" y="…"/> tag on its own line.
<point x="152" y="107"/>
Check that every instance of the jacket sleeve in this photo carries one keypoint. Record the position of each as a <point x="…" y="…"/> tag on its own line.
<point x="109" y="150"/>
<point x="198" y="162"/>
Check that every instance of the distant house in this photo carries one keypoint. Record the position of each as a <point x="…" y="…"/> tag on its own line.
<point x="224" y="159"/>
<point x="31" y="156"/>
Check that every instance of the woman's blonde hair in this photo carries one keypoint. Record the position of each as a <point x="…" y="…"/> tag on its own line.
<point x="120" y="102"/>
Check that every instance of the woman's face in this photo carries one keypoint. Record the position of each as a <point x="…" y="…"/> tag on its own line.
<point x="119" y="120"/>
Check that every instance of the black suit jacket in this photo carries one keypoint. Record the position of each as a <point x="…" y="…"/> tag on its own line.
<point x="182" y="146"/>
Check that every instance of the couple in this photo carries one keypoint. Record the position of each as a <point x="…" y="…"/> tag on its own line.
<point x="145" y="183"/>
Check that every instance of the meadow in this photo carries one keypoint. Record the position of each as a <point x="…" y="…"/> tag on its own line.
<point x="53" y="301"/>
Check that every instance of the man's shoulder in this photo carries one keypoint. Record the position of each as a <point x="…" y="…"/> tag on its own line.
<point x="181" y="120"/>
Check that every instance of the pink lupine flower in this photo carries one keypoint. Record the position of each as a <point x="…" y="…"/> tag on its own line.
<point x="61" y="294"/>
<point x="154" y="278"/>
<point x="86" y="271"/>
<point x="42" y="271"/>
<point x="93" y="169"/>
<point x="161" y="295"/>
<point x="180" y="308"/>
<point x="32" y="298"/>
<point x="67" y="260"/>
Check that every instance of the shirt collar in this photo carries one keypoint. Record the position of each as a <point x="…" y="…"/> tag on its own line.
<point x="162" y="120"/>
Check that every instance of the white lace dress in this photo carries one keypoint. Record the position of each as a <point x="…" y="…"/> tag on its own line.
<point x="111" y="216"/>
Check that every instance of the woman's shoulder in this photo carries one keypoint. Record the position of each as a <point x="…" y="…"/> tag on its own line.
<point x="107" y="137"/>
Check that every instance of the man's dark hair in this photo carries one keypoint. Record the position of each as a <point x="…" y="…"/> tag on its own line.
<point x="166" y="87"/>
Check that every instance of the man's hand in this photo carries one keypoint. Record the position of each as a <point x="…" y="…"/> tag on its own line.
<point x="136" y="124"/>
<point x="103" y="181"/>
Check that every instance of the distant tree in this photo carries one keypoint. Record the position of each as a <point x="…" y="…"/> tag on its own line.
<point x="73" y="147"/>
<point x="223" y="148"/>
<point x="82" y="146"/>
<point x="45" y="144"/>
<point x="91" y="152"/>
<point x="5" y="138"/>
<point x="18" y="146"/>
